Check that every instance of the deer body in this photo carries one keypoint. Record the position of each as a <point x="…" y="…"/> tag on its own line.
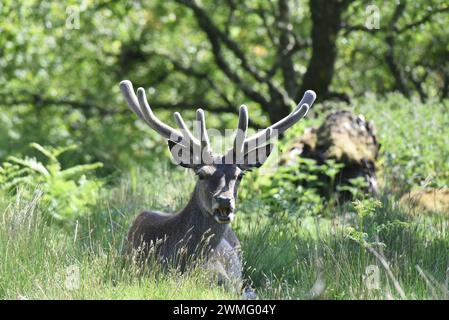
<point x="203" y="228"/>
<point x="186" y="229"/>
<point x="190" y="232"/>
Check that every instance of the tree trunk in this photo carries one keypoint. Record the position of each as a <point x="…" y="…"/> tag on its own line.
<point x="326" y="19"/>
<point x="277" y="109"/>
<point x="287" y="65"/>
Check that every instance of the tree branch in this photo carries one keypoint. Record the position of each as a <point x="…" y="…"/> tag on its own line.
<point x="358" y="27"/>
<point x="38" y="100"/>
<point x="445" y="90"/>
<point x="216" y="37"/>
<point x="427" y="18"/>
<point x="423" y="20"/>
<point x="232" y="8"/>
<point x="190" y="71"/>
<point x="262" y="14"/>
<point x="401" y="82"/>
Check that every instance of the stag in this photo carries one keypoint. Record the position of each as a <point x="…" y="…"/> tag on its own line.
<point x="211" y="208"/>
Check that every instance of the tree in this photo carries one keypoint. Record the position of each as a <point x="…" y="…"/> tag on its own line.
<point x="217" y="55"/>
<point x="411" y="46"/>
<point x="276" y="87"/>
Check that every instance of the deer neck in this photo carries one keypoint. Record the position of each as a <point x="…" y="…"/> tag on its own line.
<point x="199" y="224"/>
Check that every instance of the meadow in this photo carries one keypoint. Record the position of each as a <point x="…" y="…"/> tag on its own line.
<point x="59" y="220"/>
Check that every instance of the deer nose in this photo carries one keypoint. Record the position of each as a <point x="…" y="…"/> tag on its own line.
<point x="224" y="202"/>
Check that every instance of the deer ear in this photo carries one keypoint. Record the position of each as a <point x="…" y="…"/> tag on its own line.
<point x="256" y="158"/>
<point x="181" y="155"/>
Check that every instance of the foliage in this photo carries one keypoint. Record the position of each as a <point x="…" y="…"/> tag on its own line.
<point x="67" y="193"/>
<point x="296" y="186"/>
<point x="364" y="208"/>
<point x="46" y="62"/>
<point x="413" y="139"/>
<point x="304" y="186"/>
<point x="119" y="142"/>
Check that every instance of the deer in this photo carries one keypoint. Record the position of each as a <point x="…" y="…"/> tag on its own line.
<point x="212" y="205"/>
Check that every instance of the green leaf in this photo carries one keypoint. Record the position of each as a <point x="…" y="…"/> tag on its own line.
<point x="44" y="151"/>
<point x="31" y="163"/>
<point x="78" y="170"/>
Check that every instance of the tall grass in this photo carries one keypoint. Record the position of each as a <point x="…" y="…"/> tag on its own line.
<point x="40" y="261"/>
<point x="286" y="256"/>
<point x="289" y="261"/>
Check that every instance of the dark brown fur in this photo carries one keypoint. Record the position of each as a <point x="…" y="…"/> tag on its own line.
<point x="192" y="231"/>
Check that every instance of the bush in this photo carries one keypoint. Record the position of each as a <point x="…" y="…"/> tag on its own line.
<point x="410" y="156"/>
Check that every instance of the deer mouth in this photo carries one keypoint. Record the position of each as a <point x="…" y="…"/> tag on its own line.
<point x="223" y="215"/>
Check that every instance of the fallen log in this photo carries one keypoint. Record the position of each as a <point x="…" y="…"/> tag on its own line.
<point x="347" y="139"/>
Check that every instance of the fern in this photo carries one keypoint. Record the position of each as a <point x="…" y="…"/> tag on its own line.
<point x="67" y="193"/>
<point x="32" y="164"/>
<point x="78" y="170"/>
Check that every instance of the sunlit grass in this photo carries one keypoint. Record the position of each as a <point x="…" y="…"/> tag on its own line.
<point x="285" y="257"/>
<point x="42" y="262"/>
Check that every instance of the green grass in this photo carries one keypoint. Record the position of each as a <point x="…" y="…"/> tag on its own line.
<point x="37" y="260"/>
<point x="285" y="257"/>
<point x="289" y="252"/>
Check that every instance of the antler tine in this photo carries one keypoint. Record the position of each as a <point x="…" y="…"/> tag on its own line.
<point x="163" y="129"/>
<point x="143" y="110"/>
<point x="282" y="125"/>
<point x="185" y="130"/>
<point x="202" y="131"/>
<point x="126" y="87"/>
<point x="242" y="129"/>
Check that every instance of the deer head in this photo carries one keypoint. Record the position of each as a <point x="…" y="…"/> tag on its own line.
<point x="218" y="175"/>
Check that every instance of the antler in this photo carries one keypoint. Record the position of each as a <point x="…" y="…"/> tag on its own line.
<point x="242" y="145"/>
<point x="245" y="145"/>
<point x="143" y="110"/>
